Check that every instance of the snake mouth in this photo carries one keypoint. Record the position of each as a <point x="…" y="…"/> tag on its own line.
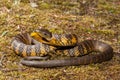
<point x="36" y="35"/>
<point x="44" y="39"/>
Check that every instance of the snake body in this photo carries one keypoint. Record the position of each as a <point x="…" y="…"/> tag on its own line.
<point x="24" y="45"/>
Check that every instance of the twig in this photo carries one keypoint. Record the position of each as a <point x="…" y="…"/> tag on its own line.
<point x="4" y="33"/>
<point x="2" y="59"/>
<point x="9" y="70"/>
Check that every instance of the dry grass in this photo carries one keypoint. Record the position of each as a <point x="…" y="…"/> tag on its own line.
<point x="96" y="19"/>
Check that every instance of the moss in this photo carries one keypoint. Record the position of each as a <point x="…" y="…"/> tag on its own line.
<point x="6" y="3"/>
<point x="107" y="32"/>
<point x="44" y="5"/>
<point x="100" y="21"/>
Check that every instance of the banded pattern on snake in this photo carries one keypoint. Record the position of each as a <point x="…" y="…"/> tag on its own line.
<point x="25" y="45"/>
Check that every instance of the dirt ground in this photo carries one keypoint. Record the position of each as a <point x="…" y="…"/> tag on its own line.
<point x="89" y="19"/>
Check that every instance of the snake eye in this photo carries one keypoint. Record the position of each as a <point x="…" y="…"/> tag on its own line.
<point x="45" y="33"/>
<point x="48" y="35"/>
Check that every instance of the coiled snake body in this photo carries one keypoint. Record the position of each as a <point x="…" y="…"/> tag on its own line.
<point x="66" y="44"/>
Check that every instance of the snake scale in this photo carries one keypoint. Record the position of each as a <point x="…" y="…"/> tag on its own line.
<point x="42" y="42"/>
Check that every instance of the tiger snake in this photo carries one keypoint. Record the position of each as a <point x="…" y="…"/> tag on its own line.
<point x="42" y="42"/>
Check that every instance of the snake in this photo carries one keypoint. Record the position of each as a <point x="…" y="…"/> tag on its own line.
<point x="41" y="42"/>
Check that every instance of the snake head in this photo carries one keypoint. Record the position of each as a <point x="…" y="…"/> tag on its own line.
<point x="41" y="35"/>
